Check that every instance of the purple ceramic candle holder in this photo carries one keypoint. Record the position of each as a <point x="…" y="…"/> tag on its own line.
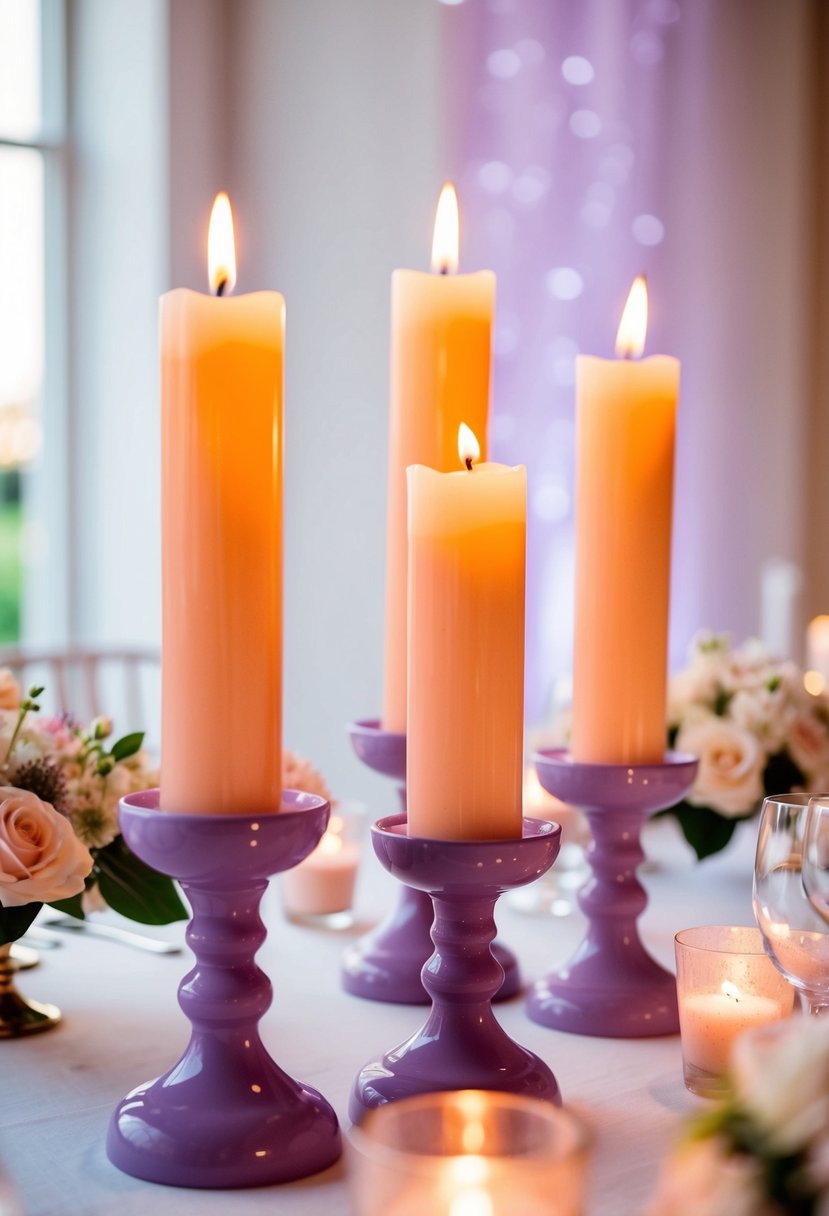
<point x="461" y="1045"/>
<point x="225" y="1115"/>
<point x="385" y="965"/>
<point x="611" y="986"/>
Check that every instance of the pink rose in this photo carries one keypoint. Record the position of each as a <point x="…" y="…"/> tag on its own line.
<point x="41" y="859"/>
<point x="9" y="690"/>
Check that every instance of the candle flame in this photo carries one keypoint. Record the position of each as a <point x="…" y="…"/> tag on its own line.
<point x="471" y="1203"/>
<point x="469" y="450"/>
<point x="729" y="989"/>
<point x="633" y="327"/>
<point x="447" y="237"/>
<point x="221" y="247"/>
<point x="331" y="844"/>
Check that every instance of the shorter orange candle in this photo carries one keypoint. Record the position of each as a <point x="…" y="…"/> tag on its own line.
<point x="467" y="544"/>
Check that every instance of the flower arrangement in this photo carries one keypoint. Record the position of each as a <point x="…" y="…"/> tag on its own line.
<point x="755" y="729"/>
<point x="764" y="1150"/>
<point x="60" y="785"/>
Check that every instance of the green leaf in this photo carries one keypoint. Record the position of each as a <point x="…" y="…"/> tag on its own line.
<point x="128" y="746"/>
<point x="15" y="921"/>
<point x="70" y="907"/>
<point x="133" y="889"/>
<point x="706" y="831"/>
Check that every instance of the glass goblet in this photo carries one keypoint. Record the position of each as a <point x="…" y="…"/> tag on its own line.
<point x="796" y="937"/>
<point x="816" y="856"/>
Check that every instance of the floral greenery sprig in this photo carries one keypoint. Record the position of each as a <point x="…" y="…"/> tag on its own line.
<point x="60" y="785"/>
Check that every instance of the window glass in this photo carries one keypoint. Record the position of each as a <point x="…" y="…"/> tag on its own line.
<point x="20" y="59"/>
<point x="21" y="357"/>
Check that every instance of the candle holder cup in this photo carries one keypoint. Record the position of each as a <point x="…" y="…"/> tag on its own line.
<point x="386" y="964"/>
<point x="612" y="987"/>
<point x="225" y="1115"/>
<point x="461" y="1045"/>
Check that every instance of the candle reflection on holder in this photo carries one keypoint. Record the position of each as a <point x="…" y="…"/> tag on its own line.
<point x="319" y="892"/>
<point x="468" y="1153"/>
<point x="725" y="984"/>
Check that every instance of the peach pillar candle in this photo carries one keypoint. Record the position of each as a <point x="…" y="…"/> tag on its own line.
<point x="625" y="428"/>
<point x="441" y="327"/>
<point x="221" y="406"/>
<point x="466" y="651"/>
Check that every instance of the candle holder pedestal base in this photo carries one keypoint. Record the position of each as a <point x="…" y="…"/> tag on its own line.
<point x="611" y="987"/>
<point x="225" y="1115"/>
<point x="385" y="965"/>
<point x="461" y="1045"/>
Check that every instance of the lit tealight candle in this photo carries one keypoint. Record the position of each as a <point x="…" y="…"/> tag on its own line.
<point x="711" y="1021"/>
<point x="323" y="884"/>
<point x="726" y="984"/>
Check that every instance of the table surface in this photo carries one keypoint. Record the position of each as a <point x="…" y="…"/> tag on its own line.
<point x="122" y="1025"/>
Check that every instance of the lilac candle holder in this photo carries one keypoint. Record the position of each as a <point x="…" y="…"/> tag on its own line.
<point x="225" y="1115"/>
<point x="611" y="987"/>
<point x="385" y="965"/>
<point x="461" y="1045"/>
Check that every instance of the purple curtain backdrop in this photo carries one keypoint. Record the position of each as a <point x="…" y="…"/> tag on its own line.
<point x="560" y="107"/>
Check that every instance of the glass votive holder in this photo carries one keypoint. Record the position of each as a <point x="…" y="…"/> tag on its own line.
<point x="319" y="892"/>
<point x="726" y="983"/>
<point x="468" y="1153"/>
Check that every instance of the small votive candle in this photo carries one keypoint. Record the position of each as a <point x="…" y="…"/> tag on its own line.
<point x="725" y="984"/>
<point x="320" y="890"/>
<point x="468" y="1153"/>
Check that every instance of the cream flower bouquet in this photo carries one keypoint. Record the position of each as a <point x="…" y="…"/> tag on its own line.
<point x="755" y="729"/>
<point x="60" y="785"/>
<point x="764" y="1150"/>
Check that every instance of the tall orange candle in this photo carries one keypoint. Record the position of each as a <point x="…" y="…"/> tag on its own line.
<point x="467" y="545"/>
<point x="625" y="427"/>
<point x="221" y="404"/>
<point x="441" y="325"/>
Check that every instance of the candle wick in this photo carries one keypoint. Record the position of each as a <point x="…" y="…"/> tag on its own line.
<point x="468" y="461"/>
<point x="444" y="269"/>
<point x="220" y="287"/>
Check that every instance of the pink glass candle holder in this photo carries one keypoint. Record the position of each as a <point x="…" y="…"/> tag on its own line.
<point x="611" y="986"/>
<point x="726" y="983"/>
<point x="225" y="1115"/>
<point x="470" y="1152"/>
<point x="386" y="964"/>
<point x="461" y="1045"/>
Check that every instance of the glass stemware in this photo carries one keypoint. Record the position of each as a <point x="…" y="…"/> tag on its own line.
<point x="795" y="935"/>
<point x="816" y="856"/>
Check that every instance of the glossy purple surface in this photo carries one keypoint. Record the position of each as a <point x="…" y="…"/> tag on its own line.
<point x="385" y="965"/>
<point x="461" y="1045"/>
<point x="611" y="987"/>
<point x="225" y="1115"/>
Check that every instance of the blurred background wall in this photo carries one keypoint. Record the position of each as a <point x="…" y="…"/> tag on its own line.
<point x="688" y="146"/>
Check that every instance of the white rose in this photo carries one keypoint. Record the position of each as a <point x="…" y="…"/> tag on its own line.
<point x="701" y="1179"/>
<point x="781" y="1077"/>
<point x="731" y="762"/>
<point x="696" y="685"/>
<point x="41" y="859"/>
<point x="765" y="714"/>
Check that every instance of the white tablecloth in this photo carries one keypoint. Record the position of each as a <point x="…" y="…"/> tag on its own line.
<point x="123" y="1025"/>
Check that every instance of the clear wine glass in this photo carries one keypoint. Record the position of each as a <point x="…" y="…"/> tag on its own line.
<point x="795" y="935"/>
<point x="816" y="856"/>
